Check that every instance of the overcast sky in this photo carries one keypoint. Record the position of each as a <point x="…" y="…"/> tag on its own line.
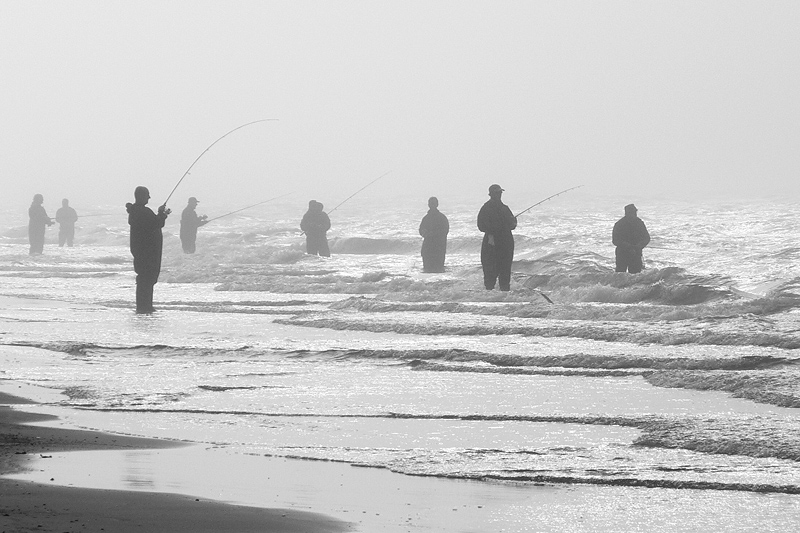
<point x="626" y="97"/>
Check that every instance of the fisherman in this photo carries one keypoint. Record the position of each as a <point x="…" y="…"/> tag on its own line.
<point x="146" y="243"/>
<point x="630" y="236"/>
<point x="189" y="224"/>
<point x="66" y="218"/>
<point x="37" y="220"/>
<point x="496" y="220"/>
<point x="434" y="229"/>
<point x="316" y="224"/>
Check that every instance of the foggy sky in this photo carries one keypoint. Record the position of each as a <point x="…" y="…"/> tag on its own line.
<point x="626" y="97"/>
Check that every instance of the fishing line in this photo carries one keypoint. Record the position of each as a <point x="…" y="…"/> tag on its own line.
<point x="209" y="148"/>
<point x="358" y="191"/>
<point x="248" y="207"/>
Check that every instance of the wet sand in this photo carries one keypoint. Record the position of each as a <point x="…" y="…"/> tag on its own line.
<point x="27" y="506"/>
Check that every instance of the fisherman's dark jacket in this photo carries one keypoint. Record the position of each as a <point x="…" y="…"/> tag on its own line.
<point x="495" y="218"/>
<point x="38" y="218"/>
<point x="315" y="223"/>
<point x="190" y="221"/>
<point x="434" y="225"/>
<point x="630" y="233"/>
<point x="146" y="238"/>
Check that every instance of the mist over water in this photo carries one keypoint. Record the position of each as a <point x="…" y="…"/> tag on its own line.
<point x="683" y="376"/>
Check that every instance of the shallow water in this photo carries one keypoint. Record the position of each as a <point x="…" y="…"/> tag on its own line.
<point x="681" y="379"/>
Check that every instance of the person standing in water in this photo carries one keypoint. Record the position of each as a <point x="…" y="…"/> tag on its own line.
<point x="66" y="218"/>
<point x="434" y="229"/>
<point x="316" y="224"/>
<point x="146" y="244"/>
<point x="630" y="236"/>
<point x="37" y="222"/>
<point x="189" y="224"/>
<point x="496" y="221"/>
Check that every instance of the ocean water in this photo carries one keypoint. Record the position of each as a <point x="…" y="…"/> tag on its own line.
<point x="681" y="380"/>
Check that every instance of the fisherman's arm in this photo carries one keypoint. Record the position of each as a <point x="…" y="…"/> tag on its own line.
<point x="162" y="215"/>
<point x="644" y="236"/>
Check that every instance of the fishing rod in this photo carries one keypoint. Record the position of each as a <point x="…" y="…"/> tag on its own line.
<point x="358" y="191"/>
<point x="548" y="198"/>
<point x="248" y="207"/>
<point x="209" y="148"/>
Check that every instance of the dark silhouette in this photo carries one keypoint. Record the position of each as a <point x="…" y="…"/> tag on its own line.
<point x="146" y="242"/>
<point x="316" y="224"/>
<point x="66" y="218"/>
<point x="37" y="221"/>
<point x="630" y="236"/>
<point x="189" y="224"/>
<point x="496" y="220"/>
<point x="434" y="229"/>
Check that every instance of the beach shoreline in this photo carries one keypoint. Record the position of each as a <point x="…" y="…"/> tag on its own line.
<point x="28" y="506"/>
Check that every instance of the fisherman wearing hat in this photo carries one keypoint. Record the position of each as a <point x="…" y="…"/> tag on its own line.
<point x="496" y="221"/>
<point x="189" y="224"/>
<point x="315" y="225"/>
<point x="146" y="244"/>
<point x="630" y="236"/>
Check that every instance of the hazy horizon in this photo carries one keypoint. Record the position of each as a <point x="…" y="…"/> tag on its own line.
<point x="684" y="99"/>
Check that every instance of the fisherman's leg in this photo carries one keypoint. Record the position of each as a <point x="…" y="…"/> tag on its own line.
<point x="504" y="260"/>
<point x="144" y="296"/>
<point x="442" y="256"/>
<point x="489" y="264"/>
<point x="324" y="251"/>
<point x="62" y="238"/>
<point x="37" y="245"/>
<point x="71" y="236"/>
<point x="425" y="252"/>
<point x="144" y="293"/>
<point x="311" y="246"/>
<point x="635" y="264"/>
<point x="437" y="258"/>
<point x="621" y="260"/>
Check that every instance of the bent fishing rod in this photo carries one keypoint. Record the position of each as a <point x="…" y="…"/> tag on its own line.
<point x="209" y="148"/>
<point x="248" y="207"/>
<point x="548" y="198"/>
<point x="358" y="191"/>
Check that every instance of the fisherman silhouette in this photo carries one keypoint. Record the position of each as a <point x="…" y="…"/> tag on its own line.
<point x="630" y="236"/>
<point x="146" y="243"/>
<point x="37" y="221"/>
<point x="189" y="224"/>
<point x="434" y="229"/>
<point x="316" y="224"/>
<point x="66" y="218"/>
<point x="496" y="220"/>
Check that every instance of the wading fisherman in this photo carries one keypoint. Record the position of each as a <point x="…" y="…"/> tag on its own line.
<point x="146" y="242"/>
<point x="316" y="224"/>
<point x="630" y="236"/>
<point x="37" y="221"/>
<point x="189" y="224"/>
<point x="496" y="221"/>
<point x="66" y="218"/>
<point x="434" y="229"/>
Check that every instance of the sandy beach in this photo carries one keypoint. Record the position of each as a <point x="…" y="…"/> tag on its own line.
<point x="26" y="506"/>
